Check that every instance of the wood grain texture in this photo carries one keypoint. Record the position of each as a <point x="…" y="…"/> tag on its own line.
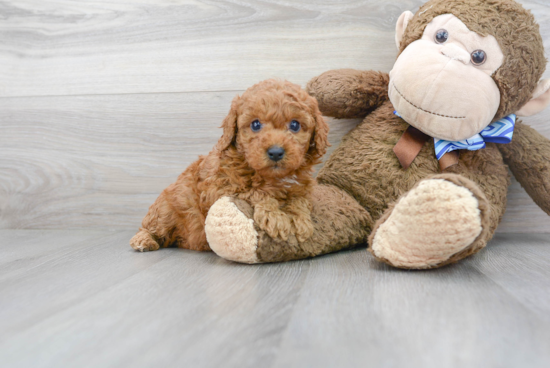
<point x="94" y="302"/>
<point x="100" y="161"/>
<point x="103" y="104"/>
<point x="125" y="46"/>
<point x="23" y="250"/>
<point x="175" y="308"/>
<point x="519" y="254"/>
<point x="451" y="318"/>
<point x="122" y="46"/>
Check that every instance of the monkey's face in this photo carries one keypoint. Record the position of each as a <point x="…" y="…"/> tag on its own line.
<point x="442" y="83"/>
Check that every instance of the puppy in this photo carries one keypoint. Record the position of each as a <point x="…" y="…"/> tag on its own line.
<point x="273" y="135"/>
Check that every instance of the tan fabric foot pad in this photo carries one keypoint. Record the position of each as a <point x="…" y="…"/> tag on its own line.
<point x="230" y="233"/>
<point x="434" y="221"/>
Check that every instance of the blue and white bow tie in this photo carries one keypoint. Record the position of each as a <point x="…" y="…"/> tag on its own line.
<point x="498" y="132"/>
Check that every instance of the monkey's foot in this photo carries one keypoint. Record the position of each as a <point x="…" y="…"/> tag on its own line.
<point x="438" y="222"/>
<point x="230" y="232"/>
<point x="143" y="242"/>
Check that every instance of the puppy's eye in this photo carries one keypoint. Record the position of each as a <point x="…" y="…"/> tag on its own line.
<point x="441" y="36"/>
<point x="479" y="57"/>
<point x="256" y="126"/>
<point x="294" y="126"/>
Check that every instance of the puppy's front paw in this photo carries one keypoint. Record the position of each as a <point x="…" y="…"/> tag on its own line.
<point x="274" y="223"/>
<point x="143" y="242"/>
<point x="303" y="227"/>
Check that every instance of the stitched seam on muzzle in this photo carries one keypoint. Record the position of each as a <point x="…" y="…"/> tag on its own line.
<point x="429" y="112"/>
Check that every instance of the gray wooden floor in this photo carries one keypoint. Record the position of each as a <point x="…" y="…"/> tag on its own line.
<point x="104" y="103"/>
<point x="85" y="299"/>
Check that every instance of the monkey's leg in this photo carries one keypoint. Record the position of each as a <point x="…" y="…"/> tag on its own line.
<point x="441" y="220"/>
<point x="339" y="222"/>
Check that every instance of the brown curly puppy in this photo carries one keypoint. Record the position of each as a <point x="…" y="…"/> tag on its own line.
<point x="272" y="136"/>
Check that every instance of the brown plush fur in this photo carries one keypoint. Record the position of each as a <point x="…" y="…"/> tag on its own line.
<point x="239" y="166"/>
<point x="374" y="177"/>
<point x="339" y="222"/>
<point x="528" y="156"/>
<point x="365" y="167"/>
<point x="514" y="28"/>
<point x="369" y="90"/>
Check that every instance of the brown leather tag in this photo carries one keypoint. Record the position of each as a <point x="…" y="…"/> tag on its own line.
<point x="409" y="146"/>
<point x="449" y="159"/>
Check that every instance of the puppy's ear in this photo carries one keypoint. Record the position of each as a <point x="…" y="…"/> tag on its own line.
<point x="319" y="139"/>
<point x="229" y="126"/>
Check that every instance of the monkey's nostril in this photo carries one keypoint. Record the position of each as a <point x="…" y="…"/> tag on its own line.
<point x="275" y="153"/>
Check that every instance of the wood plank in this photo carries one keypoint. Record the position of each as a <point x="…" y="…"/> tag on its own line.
<point x="71" y="275"/>
<point x="522" y="214"/>
<point x="109" y="305"/>
<point x="356" y="312"/>
<point x="25" y="249"/>
<point x="520" y="264"/>
<point x="102" y="304"/>
<point x="121" y="46"/>
<point x="99" y="162"/>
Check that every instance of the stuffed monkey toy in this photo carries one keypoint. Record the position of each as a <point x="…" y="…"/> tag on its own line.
<point x="423" y="179"/>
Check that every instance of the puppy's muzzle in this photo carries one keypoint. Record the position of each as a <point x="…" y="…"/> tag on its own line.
<point x="275" y="153"/>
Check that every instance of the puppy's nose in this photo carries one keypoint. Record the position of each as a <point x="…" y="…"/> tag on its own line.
<point x="275" y="153"/>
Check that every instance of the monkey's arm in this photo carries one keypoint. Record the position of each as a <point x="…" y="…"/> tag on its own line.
<point x="349" y="93"/>
<point x="528" y="156"/>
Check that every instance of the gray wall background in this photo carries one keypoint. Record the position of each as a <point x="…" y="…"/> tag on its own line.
<point x="104" y="103"/>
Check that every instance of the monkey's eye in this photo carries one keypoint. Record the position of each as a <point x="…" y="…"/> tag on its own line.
<point x="294" y="126"/>
<point x="478" y="57"/>
<point x="441" y="36"/>
<point x="255" y="126"/>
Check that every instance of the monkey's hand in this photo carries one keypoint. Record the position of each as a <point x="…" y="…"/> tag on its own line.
<point x="528" y="156"/>
<point x="349" y="93"/>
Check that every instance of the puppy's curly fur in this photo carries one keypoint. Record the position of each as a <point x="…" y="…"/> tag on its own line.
<point x="239" y="166"/>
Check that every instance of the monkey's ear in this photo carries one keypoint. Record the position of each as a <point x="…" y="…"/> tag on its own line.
<point x="401" y="26"/>
<point x="540" y="100"/>
<point x="229" y="126"/>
